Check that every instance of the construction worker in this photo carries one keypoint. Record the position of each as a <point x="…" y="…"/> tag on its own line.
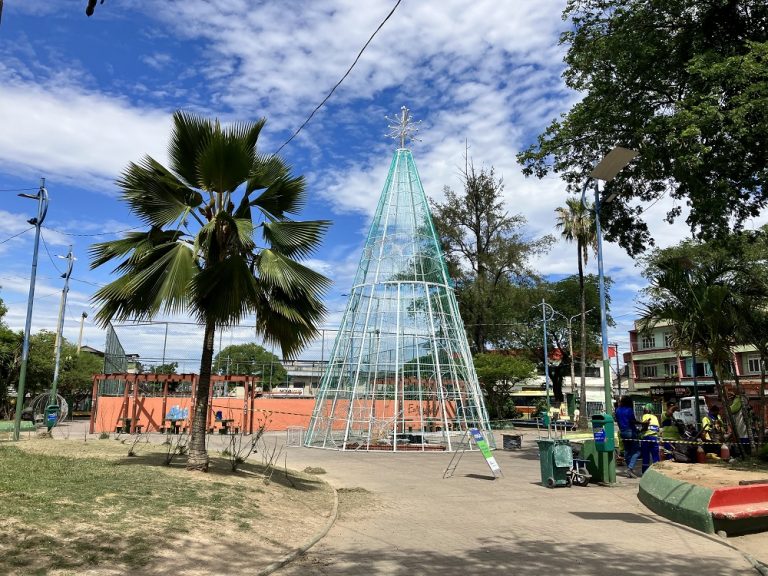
<point x="737" y="406"/>
<point x="712" y="430"/>
<point x="670" y="428"/>
<point x="649" y="437"/>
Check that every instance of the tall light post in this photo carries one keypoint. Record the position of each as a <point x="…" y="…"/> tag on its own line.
<point x="42" y="210"/>
<point x="545" y="310"/>
<point x="616" y="160"/>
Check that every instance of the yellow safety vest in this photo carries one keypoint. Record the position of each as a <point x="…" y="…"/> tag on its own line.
<point x="653" y="425"/>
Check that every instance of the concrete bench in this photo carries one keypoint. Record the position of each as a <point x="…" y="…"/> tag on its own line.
<point x="740" y="509"/>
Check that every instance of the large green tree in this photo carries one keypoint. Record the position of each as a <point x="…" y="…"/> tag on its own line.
<point x="251" y="359"/>
<point x="487" y="250"/>
<point x="10" y="356"/>
<point x="576" y="222"/>
<point x="220" y="245"/>
<point x="684" y="82"/>
<point x="498" y="374"/>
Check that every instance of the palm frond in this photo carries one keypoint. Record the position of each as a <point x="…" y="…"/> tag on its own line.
<point x="159" y="281"/>
<point x="137" y="242"/>
<point x="224" y="291"/>
<point x="288" y="320"/>
<point x="277" y="270"/>
<point x="266" y="170"/>
<point x="155" y="194"/>
<point x="283" y="195"/>
<point x="224" y="162"/>
<point x="190" y="132"/>
<point x="246" y="132"/>
<point x="294" y="239"/>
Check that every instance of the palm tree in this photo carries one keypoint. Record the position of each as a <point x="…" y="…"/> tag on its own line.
<point x="701" y="302"/>
<point x="201" y="254"/>
<point x="576" y="221"/>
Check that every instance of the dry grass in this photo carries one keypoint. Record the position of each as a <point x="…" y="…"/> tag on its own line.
<point x="73" y="507"/>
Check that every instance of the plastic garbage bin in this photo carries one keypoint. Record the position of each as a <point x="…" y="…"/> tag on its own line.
<point x="556" y="460"/>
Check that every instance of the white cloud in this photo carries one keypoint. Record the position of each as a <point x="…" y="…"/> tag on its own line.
<point x="82" y="137"/>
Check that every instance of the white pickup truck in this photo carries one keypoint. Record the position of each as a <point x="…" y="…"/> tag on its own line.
<point x="687" y="411"/>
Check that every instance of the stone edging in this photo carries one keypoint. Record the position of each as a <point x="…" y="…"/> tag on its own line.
<point x="291" y="556"/>
<point x="678" y="501"/>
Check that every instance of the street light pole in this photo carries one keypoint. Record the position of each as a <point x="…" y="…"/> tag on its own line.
<point x="42" y="209"/>
<point x="606" y="170"/>
<point x="603" y="318"/>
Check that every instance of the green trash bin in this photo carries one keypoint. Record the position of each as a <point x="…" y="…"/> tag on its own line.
<point x="556" y="461"/>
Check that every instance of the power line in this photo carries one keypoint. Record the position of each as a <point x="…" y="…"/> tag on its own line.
<point x="17" y="235"/>
<point x="94" y="234"/>
<point x="45" y="245"/>
<point x="359" y="54"/>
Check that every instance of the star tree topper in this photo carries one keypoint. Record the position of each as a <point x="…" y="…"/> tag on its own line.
<point x="403" y="127"/>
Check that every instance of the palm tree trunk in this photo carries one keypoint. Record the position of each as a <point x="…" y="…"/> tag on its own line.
<point x="198" y="455"/>
<point x="729" y="421"/>
<point x="761" y="419"/>
<point x="583" y="420"/>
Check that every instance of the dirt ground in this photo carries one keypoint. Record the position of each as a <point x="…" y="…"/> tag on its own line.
<point x="287" y="517"/>
<point x="712" y="475"/>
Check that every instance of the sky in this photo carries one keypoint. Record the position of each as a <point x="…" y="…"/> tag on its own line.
<point x="82" y="97"/>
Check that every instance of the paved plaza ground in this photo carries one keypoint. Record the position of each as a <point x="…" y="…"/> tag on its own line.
<point x="398" y="516"/>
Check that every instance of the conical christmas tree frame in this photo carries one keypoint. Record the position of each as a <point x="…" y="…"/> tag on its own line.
<point x="400" y="375"/>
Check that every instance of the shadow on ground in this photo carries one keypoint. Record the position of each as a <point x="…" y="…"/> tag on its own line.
<point x="221" y="467"/>
<point x="504" y="556"/>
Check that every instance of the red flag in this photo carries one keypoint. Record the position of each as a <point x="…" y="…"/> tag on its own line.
<point x="613" y="350"/>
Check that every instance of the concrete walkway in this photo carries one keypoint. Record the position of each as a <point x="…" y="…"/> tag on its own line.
<point x="414" y="522"/>
<point x="398" y="516"/>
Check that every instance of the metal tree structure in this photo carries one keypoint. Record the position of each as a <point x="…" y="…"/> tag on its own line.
<point x="400" y="375"/>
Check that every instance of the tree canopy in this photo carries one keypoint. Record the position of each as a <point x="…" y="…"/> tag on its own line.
<point x="487" y="250"/>
<point x="684" y="82"/>
<point x="251" y="359"/>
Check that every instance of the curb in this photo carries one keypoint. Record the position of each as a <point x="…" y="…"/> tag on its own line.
<point x="678" y="501"/>
<point x="291" y="556"/>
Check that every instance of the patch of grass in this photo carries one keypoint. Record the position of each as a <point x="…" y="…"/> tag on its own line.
<point x="130" y="510"/>
<point x="314" y="470"/>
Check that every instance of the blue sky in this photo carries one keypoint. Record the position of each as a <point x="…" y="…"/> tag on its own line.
<point x="81" y="97"/>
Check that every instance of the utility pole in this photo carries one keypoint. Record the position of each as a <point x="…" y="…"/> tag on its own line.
<point x="42" y="210"/>
<point x="60" y="328"/>
<point x="83" y="316"/>
<point x="618" y="373"/>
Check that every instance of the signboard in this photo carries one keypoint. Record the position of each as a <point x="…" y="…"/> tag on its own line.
<point x="680" y="391"/>
<point x="287" y="392"/>
<point x="485" y="450"/>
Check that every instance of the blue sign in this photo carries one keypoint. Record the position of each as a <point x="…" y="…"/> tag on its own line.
<point x="600" y="435"/>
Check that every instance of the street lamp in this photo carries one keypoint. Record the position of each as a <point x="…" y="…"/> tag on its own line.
<point x="606" y="170"/>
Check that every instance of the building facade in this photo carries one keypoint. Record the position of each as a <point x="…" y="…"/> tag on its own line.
<point x="658" y="370"/>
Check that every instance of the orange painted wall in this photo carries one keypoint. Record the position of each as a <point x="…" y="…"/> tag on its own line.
<point x="279" y="412"/>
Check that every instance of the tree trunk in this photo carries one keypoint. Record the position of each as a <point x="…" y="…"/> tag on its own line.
<point x="720" y="387"/>
<point x="583" y="418"/>
<point x="198" y="454"/>
<point x="761" y="419"/>
<point x="745" y="412"/>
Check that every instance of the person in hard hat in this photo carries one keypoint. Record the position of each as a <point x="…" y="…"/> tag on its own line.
<point x="712" y="430"/>
<point x="671" y="427"/>
<point x="649" y="437"/>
